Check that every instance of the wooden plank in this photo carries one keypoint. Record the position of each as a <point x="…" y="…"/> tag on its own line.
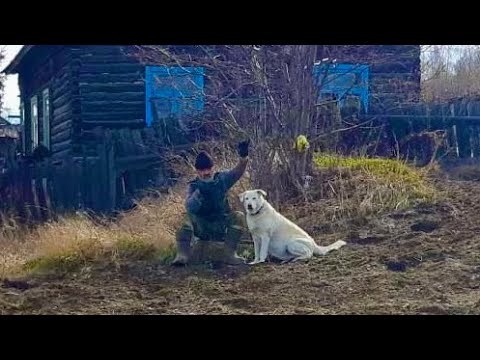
<point x="36" y="202"/>
<point x="77" y="190"/>
<point x="96" y="184"/>
<point x="463" y="137"/>
<point x="100" y="49"/>
<point x="62" y="99"/>
<point x="85" y="181"/>
<point x="72" y="176"/>
<point x="127" y="141"/>
<point x="120" y="144"/>
<point x="106" y="59"/>
<point x="408" y="76"/>
<point x="137" y="162"/>
<point x="100" y="79"/>
<point x="118" y="96"/>
<point x="475" y="140"/>
<point x="116" y="115"/>
<point x="46" y="192"/>
<point x="112" y="179"/>
<point x="102" y="180"/>
<point x="27" y="192"/>
<point x="58" y="119"/>
<point x="61" y="88"/>
<point x="138" y="140"/>
<point x="62" y="109"/>
<point x="61" y="154"/>
<point x="62" y="136"/>
<point x="106" y="106"/>
<point x="62" y="126"/>
<point x="62" y="146"/>
<point x="114" y="123"/>
<point x="117" y="87"/>
<point x="117" y="68"/>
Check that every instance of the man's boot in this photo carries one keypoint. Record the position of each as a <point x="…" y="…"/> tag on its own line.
<point x="231" y="243"/>
<point x="201" y="251"/>
<point x="183" y="248"/>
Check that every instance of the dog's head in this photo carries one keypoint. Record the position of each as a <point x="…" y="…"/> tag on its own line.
<point x="253" y="200"/>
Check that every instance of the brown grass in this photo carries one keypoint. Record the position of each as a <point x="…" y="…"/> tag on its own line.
<point x="469" y="172"/>
<point x="73" y="242"/>
<point x="348" y="191"/>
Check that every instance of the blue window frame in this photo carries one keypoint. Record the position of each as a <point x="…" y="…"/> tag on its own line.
<point x="175" y="91"/>
<point x="342" y="80"/>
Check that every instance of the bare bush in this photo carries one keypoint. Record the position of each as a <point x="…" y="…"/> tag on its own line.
<point x="266" y="93"/>
<point x="2" y="77"/>
<point x="450" y="71"/>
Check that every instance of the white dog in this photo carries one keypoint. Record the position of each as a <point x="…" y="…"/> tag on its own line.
<point x="275" y="235"/>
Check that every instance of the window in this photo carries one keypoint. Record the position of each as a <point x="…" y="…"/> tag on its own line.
<point x="46" y="118"/>
<point x="174" y="91"/>
<point x="342" y="80"/>
<point x="22" y="125"/>
<point x="34" y="122"/>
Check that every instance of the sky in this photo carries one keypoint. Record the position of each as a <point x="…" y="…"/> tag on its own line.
<point x="11" y="93"/>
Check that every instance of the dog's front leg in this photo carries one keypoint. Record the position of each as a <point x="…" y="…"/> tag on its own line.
<point x="261" y="244"/>
<point x="264" y="248"/>
<point x="257" y="242"/>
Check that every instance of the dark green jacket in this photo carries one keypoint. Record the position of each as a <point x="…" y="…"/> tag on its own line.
<point x="213" y="202"/>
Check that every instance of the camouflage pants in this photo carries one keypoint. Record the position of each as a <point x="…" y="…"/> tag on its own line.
<point x="229" y="229"/>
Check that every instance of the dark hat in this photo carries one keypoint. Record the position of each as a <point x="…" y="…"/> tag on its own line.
<point x="203" y="161"/>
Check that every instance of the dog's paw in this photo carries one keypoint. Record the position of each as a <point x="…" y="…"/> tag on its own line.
<point x="255" y="262"/>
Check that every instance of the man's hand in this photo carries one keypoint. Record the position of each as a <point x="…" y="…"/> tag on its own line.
<point x="197" y="195"/>
<point x="243" y="148"/>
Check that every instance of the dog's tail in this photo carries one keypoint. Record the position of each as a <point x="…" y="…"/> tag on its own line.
<point x="323" y="250"/>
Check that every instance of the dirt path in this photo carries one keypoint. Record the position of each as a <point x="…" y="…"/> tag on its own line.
<point x="422" y="261"/>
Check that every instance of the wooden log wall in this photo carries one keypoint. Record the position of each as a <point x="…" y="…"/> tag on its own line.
<point x="394" y="71"/>
<point x="112" y="88"/>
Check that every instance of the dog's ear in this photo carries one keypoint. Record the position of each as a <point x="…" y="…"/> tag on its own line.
<point x="241" y="197"/>
<point x="262" y="192"/>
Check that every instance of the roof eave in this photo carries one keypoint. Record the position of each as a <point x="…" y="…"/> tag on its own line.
<point x="12" y="68"/>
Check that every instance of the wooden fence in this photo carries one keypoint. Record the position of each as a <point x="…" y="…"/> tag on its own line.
<point x="425" y="130"/>
<point x="99" y="181"/>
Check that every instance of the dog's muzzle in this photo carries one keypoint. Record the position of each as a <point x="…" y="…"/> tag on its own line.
<point x="252" y="213"/>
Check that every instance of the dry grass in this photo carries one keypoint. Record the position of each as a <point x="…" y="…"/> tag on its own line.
<point x="468" y="172"/>
<point x="347" y="191"/>
<point x="147" y="232"/>
<point x="383" y="184"/>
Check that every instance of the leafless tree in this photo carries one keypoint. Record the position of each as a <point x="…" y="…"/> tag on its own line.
<point x="2" y="77"/>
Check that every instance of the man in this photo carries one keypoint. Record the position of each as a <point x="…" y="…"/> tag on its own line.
<point x="209" y="216"/>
